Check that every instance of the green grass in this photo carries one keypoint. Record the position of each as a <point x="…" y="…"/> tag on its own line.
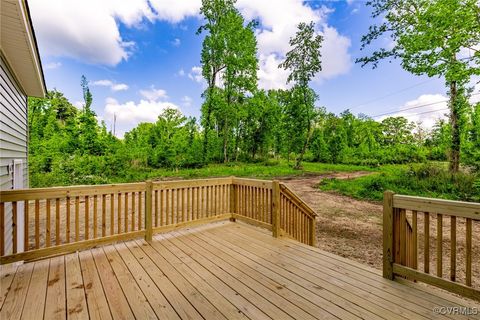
<point x="428" y="180"/>
<point x="264" y="170"/>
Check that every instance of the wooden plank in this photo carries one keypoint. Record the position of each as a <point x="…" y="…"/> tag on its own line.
<point x="448" y="207"/>
<point x="37" y="291"/>
<point x="96" y="299"/>
<point x="270" y="302"/>
<point x="134" y="295"/>
<point x="69" y="247"/>
<point x="252" y="221"/>
<point x="437" y="281"/>
<point x="197" y="222"/>
<point x="284" y="286"/>
<point x="15" y="300"/>
<point x="55" y="303"/>
<point x="157" y="185"/>
<point x="453" y="247"/>
<point x="178" y="301"/>
<point x="468" y="253"/>
<point x="439" y="245"/>
<point x="76" y="301"/>
<point x="194" y="297"/>
<point x="7" y="273"/>
<point x="155" y="297"/>
<point x="230" y="302"/>
<point x="119" y="306"/>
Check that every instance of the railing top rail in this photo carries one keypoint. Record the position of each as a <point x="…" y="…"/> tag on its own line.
<point x="71" y="191"/>
<point x="299" y="201"/>
<point x="253" y="182"/>
<point x="191" y="183"/>
<point x="448" y="207"/>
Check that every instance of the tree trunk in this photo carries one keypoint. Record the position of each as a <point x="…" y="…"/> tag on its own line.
<point x="454" y="123"/>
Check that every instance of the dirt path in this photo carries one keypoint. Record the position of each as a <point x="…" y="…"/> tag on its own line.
<point x="353" y="228"/>
<point x="345" y="226"/>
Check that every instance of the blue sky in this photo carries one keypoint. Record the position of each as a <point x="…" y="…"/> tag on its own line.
<point x="141" y="56"/>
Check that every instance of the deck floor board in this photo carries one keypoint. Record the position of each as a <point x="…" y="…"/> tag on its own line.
<point x="217" y="271"/>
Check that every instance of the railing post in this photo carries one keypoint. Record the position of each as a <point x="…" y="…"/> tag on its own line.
<point x="276" y="208"/>
<point x="233" y="199"/>
<point x="388" y="235"/>
<point x="148" y="211"/>
<point x="313" y="232"/>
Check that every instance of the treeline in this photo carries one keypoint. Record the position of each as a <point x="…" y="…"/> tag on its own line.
<point x="69" y="146"/>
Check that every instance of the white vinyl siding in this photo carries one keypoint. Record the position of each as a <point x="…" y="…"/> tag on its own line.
<point x="13" y="138"/>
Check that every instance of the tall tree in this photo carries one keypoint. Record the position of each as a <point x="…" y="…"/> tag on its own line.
<point x="430" y="38"/>
<point x="303" y="62"/>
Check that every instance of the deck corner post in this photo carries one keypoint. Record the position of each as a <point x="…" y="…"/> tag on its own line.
<point x="276" y="208"/>
<point x="148" y="210"/>
<point x="388" y="235"/>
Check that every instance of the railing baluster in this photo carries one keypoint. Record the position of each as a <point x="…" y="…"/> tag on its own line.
<point x="161" y="207"/>
<point x="87" y="217"/>
<point x="67" y="223"/>
<point x="415" y="238"/>
<point x="104" y="215"/>
<point x="112" y="214"/>
<point x="183" y="204"/>
<point x="125" y="218"/>
<point x="156" y="208"/>
<point x="133" y="211"/>
<point x="439" y="245"/>
<point x="119" y="213"/>
<point x="426" y="249"/>
<point x="37" y="224"/>
<point x="453" y="248"/>
<point x="77" y="212"/>
<point x="468" y="260"/>
<point x="57" y="221"/>
<point x="95" y="216"/>
<point x="2" y="228"/>
<point x="14" y="226"/>
<point x="26" y="225"/>
<point x="47" y="235"/>
<point x="140" y="210"/>
<point x="188" y="205"/>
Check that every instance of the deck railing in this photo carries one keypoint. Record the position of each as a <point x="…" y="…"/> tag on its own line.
<point x="66" y="219"/>
<point x="403" y="236"/>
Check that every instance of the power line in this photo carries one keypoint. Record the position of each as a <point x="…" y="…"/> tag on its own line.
<point x="416" y="107"/>
<point x="389" y="94"/>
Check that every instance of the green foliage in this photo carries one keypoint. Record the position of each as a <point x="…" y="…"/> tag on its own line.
<point x="429" y="180"/>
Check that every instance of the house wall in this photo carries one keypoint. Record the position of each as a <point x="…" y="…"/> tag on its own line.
<point x="13" y="139"/>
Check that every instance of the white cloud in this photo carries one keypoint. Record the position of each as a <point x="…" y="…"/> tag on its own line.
<point x="53" y="65"/>
<point x="112" y="85"/>
<point x="176" y="10"/>
<point x="176" y="42"/>
<point x="181" y="73"/>
<point x="153" y="94"/>
<point x="187" y="101"/>
<point x="195" y="74"/>
<point x="434" y="109"/>
<point x="88" y="30"/>
<point x="278" y="23"/>
<point x="129" y="114"/>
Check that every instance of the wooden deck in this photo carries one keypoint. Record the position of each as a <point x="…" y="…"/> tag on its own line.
<point x="217" y="271"/>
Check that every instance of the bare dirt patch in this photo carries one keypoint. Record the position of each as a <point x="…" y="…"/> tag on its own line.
<point x="353" y="229"/>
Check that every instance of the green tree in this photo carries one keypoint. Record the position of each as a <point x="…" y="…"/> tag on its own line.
<point x="428" y="37"/>
<point x="303" y="62"/>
